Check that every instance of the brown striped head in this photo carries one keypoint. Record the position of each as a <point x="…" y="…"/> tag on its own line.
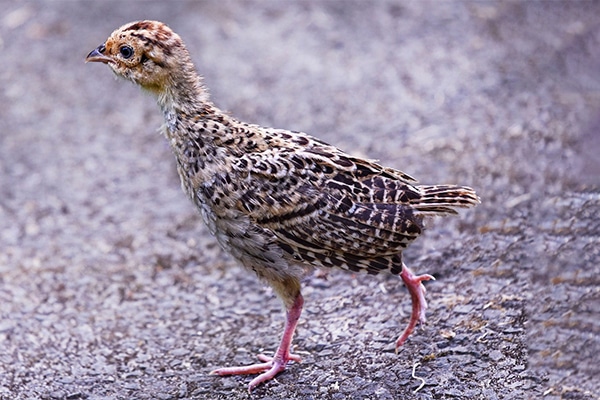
<point x="148" y="53"/>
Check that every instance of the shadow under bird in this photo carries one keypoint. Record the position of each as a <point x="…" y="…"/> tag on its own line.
<point x="281" y="202"/>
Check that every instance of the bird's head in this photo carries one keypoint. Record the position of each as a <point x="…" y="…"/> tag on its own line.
<point x="148" y="53"/>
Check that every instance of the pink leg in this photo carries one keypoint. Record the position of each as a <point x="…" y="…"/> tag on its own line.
<point x="271" y="366"/>
<point x="419" y="304"/>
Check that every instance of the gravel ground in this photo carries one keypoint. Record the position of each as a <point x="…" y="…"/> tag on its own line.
<point x="111" y="288"/>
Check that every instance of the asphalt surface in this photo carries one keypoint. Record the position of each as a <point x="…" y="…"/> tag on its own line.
<point x="111" y="288"/>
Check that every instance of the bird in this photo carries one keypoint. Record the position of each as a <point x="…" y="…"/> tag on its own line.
<point x="281" y="202"/>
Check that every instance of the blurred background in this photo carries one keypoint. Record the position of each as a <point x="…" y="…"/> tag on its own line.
<point x="110" y="286"/>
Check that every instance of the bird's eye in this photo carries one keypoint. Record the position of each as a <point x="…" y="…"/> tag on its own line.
<point x="126" y="51"/>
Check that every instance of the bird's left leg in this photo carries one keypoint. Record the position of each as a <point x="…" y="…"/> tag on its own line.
<point x="271" y="366"/>
<point x="417" y="294"/>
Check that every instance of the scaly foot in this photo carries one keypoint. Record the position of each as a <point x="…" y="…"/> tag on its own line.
<point x="419" y="304"/>
<point x="270" y="367"/>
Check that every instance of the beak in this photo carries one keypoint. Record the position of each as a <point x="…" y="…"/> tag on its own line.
<point x="97" y="56"/>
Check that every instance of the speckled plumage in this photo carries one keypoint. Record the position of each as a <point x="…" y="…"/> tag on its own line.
<point x="279" y="201"/>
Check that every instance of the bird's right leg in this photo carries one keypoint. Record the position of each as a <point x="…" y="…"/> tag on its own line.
<point x="271" y="366"/>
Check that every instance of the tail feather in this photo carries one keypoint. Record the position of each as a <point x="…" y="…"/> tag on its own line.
<point x="443" y="199"/>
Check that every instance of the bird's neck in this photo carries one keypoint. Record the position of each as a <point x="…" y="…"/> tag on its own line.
<point x="182" y="98"/>
<point x="189" y="115"/>
<point x="184" y="92"/>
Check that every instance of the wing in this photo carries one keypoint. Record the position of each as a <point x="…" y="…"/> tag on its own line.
<point x="328" y="208"/>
